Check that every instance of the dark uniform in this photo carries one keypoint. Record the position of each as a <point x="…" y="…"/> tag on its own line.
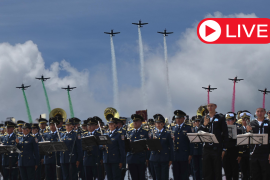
<point x="197" y="154"/>
<point x="50" y="160"/>
<point x="74" y="153"/>
<point x="259" y="164"/>
<point x="9" y="170"/>
<point x="137" y="161"/>
<point x="29" y="156"/>
<point x="230" y="163"/>
<point x="212" y="152"/>
<point x="245" y="160"/>
<point x="114" y="153"/>
<point x="91" y="157"/>
<point x="162" y="158"/>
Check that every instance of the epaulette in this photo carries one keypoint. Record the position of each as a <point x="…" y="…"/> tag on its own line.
<point x="33" y="135"/>
<point x="19" y="135"/>
<point x="85" y="132"/>
<point x="172" y="124"/>
<point x="188" y="124"/>
<point x="98" y="132"/>
<point x="119" y="131"/>
<point x="145" y="129"/>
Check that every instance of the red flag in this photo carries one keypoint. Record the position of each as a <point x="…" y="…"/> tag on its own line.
<point x="143" y="113"/>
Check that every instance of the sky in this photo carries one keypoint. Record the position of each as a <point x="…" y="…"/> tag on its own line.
<point x="65" y="40"/>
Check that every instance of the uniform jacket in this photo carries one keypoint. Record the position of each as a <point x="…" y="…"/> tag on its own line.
<point x="137" y="158"/>
<point x="71" y="139"/>
<point x="6" y="140"/>
<point x="218" y="127"/>
<point x="29" y="155"/>
<point x="182" y="146"/>
<point x="115" y="152"/>
<point x="166" y="154"/>
<point x="53" y="137"/>
<point x="92" y="157"/>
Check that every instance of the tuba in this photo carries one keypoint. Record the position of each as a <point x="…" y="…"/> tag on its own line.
<point x="110" y="113"/>
<point x="202" y="110"/>
<point x="58" y="112"/>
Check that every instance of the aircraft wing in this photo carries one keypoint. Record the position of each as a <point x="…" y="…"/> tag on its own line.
<point x="136" y="23"/>
<point x="212" y="88"/>
<point x="161" y="32"/>
<point x="39" y="78"/>
<point x="143" y="23"/>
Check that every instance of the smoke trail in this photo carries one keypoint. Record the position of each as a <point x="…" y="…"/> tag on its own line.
<point x="142" y="68"/>
<point x="169" y="99"/>
<point x="46" y="96"/>
<point x="70" y="106"/>
<point x="208" y="97"/>
<point x="115" y="80"/>
<point x="27" y="107"/>
<point x="233" y="97"/>
<point x="263" y="100"/>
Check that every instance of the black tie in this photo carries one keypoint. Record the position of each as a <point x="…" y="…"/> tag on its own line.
<point x="136" y="131"/>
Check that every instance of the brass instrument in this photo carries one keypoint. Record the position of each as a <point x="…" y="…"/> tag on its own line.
<point x="202" y="110"/>
<point x="110" y="113"/>
<point x="58" y="112"/>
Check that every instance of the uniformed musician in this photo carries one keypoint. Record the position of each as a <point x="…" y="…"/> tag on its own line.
<point x="162" y="159"/>
<point x="197" y="152"/>
<point x="213" y="153"/>
<point x="114" y="154"/>
<point x="20" y="124"/>
<point x="29" y="156"/>
<point x="42" y="124"/>
<point x="70" y="159"/>
<point x="10" y="171"/>
<point x="183" y="149"/>
<point x="50" y="160"/>
<point x="260" y="153"/>
<point x="137" y="162"/>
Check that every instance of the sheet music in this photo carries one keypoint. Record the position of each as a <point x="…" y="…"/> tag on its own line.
<point x="232" y="131"/>
<point x="243" y="139"/>
<point x="202" y="136"/>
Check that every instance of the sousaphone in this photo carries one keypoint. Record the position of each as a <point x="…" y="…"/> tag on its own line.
<point x="58" y="112"/>
<point x="110" y="113"/>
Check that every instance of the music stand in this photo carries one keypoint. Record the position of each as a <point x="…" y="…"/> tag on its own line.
<point x="138" y="146"/>
<point x="153" y="144"/>
<point x="127" y="145"/>
<point x="203" y="137"/>
<point x="232" y="132"/>
<point x="103" y="140"/>
<point x="48" y="147"/>
<point x="88" y="142"/>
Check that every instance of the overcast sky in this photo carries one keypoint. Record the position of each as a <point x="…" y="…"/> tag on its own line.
<point x="65" y="40"/>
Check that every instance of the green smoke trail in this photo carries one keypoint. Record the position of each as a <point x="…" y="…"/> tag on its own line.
<point x="70" y="106"/>
<point x="27" y="107"/>
<point x="47" y="99"/>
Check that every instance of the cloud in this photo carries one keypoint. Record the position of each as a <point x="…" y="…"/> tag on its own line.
<point x="193" y="66"/>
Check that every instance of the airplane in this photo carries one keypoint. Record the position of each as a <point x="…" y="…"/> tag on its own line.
<point x="43" y="78"/>
<point x="23" y="87"/>
<point x="165" y="32"/>
<point x="264" y="91"/>
<point x="209" y="88"/>
<point x="112" y="33"/>
<point x="140" y="23"/>
<point x="235" y="79"/>
<point x="69" y="88"/>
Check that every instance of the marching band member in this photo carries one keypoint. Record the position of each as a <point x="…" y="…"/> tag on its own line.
<point x="29" y="156"/>
<point x="162" y="159"/>
<point x="137" y="161"/>
<point x="213" y="153"/>
<point x="114" y="154"/>
<point x="260" y="155"/>
<point x="183" y="149"/>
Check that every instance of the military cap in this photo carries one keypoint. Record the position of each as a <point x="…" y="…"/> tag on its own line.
<point x="179" y="114"/>
<point x="59" y="117"/>
<point x="230" y="116"/>
<point x="26" y="125"/>
<point x="97" y="119"/>
<point x="197" y="118"/>
<point x="34" y="125"/>
<point x="136" y="117"/>
<point x="150" y="121"/>
<point x="245" y="114"/>
<point x="53" y="120"/>
<point x="10" y="124"/>
<point x="20" y="123"/>
<point x="76" y="120"/>
<point x="159" y="118"/>
<point x="42" y="120"/>
<point x="92" y="121"/>
<point x="123" y="118"/>
<point x="85" y="122"/>
<point x="2" y="125"/>
<point x="70" y="121"/>
<point x="113" y="120"/>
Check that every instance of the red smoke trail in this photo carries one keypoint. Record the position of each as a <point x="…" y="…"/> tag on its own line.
<point x="263" y="100"/>
<point x="233" y="97"/>
<point x="208" y="97"/>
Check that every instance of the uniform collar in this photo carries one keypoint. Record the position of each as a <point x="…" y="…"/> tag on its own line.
<point x="53" y="132"/>
<point x="112" y="131"/>
<point x="138" y="129"/>
<point x="26" y="135"/>
<point x="160" y="131"/>
<point x="10" y="134"/>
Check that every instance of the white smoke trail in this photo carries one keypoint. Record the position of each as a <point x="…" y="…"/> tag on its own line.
<point x="142" y="69"/>
<point x="169" y="99"/>
<point x="115" y="80"/>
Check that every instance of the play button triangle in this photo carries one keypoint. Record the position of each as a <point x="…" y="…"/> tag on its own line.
<point x="208" y="30"/>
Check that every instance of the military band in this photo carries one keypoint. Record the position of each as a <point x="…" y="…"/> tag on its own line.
<point x="111" y="161"/>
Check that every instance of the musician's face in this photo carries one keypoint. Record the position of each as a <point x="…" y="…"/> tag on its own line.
<point x="119" y="125"/>
<point x="197" y="123"/>
<point x="34" y="130"/>
<point x="260" y="112"/>
<point x="244" y="122"/>
<point x="52" y="127"/>
<point x="20" y="128"/>
<point x="137" y="124"/>
<point x="230" y="121"/>
<point x="84" y="128"/>
<point x="211" y="107"/>
<point x="179" y="120"/>
<point x="26" y="131"/>
<point x="91" y="127"/>
<point x="42" y="125"/>
<point x="112" y="126"/>
<point x="60" y="124"/>
<point x="69" y="127"/>
<point x="10" y="130"/>
<point x="159" y="125"/>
